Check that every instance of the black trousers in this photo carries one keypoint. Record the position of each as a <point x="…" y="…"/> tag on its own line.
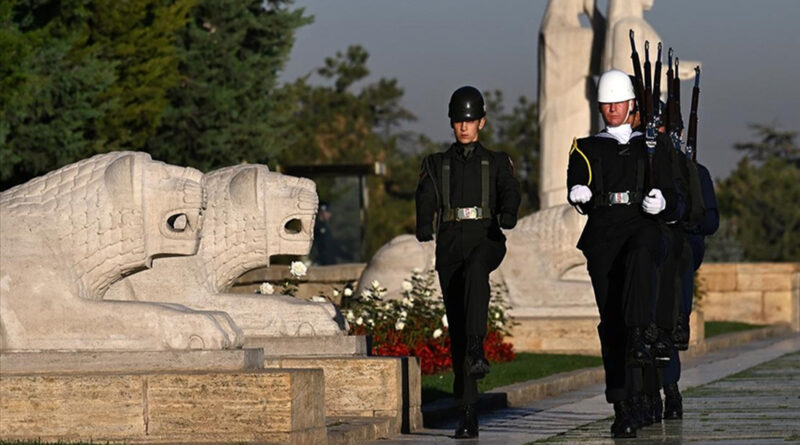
<point x="670" y="281"/>
<point x="465" y="287"/>
<point x="623" y="272"/>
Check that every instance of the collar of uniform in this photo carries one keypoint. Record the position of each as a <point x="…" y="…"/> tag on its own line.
<point x="605" y="134"/>
<point x="455" y="150"/>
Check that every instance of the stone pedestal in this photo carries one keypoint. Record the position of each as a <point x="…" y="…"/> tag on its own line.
<point x="557" y="335"/>
<point x="284" y="406"/>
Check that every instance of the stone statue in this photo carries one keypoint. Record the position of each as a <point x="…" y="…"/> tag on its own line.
<point x="624" y="15"/>
<point x="544" y="272"/>
<point x="252" y="213"/>
<point x="569" y="55"/>
<point x="68" y="235"/>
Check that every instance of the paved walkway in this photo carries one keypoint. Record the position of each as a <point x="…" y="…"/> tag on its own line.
<point x="744" y="395"/>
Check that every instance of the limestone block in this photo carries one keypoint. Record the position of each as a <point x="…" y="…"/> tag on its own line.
<point x="771" y="281"/>
<point x="734" y="306"/>
<point x="569" y="335"/>
<point x="697" y="327"/>
<point x="366" y="386"/>
<point x="767" y="268"/>
<point x="77" y="230"/>
<point x="779" y="306"/>
<point x="718" y="277"/>
<point x="284" y="406"/>
<point x="252" y="214"/>
<point x="319" y="346"/>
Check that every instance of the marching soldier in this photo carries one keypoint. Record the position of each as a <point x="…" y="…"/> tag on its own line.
<point x="608" y="178"/>
<point x="464" y="197"/>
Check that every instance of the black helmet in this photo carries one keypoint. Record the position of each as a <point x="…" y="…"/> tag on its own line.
<point x="466" y="104"/>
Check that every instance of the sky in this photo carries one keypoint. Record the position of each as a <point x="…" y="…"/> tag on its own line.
<point x="749" y="50"/>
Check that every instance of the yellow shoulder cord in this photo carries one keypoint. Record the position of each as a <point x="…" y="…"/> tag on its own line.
<point x="588" y="165"/>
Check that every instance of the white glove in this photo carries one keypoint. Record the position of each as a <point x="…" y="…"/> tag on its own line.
<point x="654" y="203"/>
<point x="580" y="194"/>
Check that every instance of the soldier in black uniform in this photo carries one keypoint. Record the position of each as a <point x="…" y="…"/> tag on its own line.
<point x="609" y="178"/>
<point x="465" y="196"/>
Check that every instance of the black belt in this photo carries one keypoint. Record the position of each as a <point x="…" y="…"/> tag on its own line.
<point x="619" y="198"/>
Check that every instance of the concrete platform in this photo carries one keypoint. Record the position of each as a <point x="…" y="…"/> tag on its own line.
<point x="273" y="406"/>
<point x="324" y="346"/>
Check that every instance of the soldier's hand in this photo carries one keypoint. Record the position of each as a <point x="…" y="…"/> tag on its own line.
<point x="654" y="202"/>
<point x="580" y="194"/>
<point x="424" y="234"/>
<point x="507" y="220"/>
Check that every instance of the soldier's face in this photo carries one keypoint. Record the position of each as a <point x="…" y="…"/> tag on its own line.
<point x="616" y="113"/>
<point x="467" y="131"/>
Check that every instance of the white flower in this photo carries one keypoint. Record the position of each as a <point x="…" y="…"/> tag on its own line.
<point x="498" y="323"/>
<point x="360" y="321"/>
<point x="266" y="289"/>
<point x="444" y="320"/>
<point x="365" y="293"/>
<point x="371" y="322"/>
<point x="403" y="314"/>
<point x="416" y="270"/>
<point x="348" y="292"/>
<point x="437" y="333"/>
<point x="407" y="286"/>
<point x="497" y="315"/>
<point x="335" y="293"/>
<point x="298" y="269"/>
<point x="387" y="305"/>
<point x="319" y="299"/>
<point x="350" y="315"/>
<point x="375" y="284"/>
<point x="407" y="302"/>
<point x="399" y="325"/>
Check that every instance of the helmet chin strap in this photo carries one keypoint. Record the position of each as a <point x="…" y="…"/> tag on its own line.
<point x="628" y="113"/>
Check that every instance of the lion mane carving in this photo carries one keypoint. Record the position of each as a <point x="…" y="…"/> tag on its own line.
<point x="252" y="214"/>
<point x="68" y="235"/>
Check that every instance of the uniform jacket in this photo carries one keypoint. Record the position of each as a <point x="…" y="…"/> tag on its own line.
<point x="601" y="161"/>
<point x="465" y="191"/>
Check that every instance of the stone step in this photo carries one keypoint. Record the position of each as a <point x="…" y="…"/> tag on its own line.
<point x="338" y="345"/>
<point x="355" y="430"/>
<point x="275" y="406"/>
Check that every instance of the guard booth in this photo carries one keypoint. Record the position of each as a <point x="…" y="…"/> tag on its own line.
<point x="344" y="188"/>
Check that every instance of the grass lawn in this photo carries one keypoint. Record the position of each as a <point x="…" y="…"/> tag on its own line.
<point x="526" y="366"/>
<point x="714" y="328"/>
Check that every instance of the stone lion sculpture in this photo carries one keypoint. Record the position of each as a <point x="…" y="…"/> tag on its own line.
<point x="252" y="213"/>
<point x="68" y="235"/>
<point x="544" y="272"/>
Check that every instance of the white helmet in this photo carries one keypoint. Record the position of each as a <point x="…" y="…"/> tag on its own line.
<point x="614" y="86"/>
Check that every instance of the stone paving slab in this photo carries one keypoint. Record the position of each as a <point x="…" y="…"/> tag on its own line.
<point x="736" y="400"/>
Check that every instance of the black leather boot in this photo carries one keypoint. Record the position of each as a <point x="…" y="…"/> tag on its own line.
<point x="468" y="425"/>
<point x="477" y="365"/>
<point x="623" y="425"/>
<point x="656" y="406"/>
<point x="673" y="402"/>
<point x="681" y="334"/>
<point x="638" y="352"/>
<point x="645" y="413"/>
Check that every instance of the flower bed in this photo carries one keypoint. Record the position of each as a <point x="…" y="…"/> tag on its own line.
<point x="416" y="325"/>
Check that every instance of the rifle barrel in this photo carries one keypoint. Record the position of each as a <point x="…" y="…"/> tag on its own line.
<point x="657" y="83"/>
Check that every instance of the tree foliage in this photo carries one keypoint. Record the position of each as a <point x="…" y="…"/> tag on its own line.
<point x="227" y="107"/>
<point x="760" y="197"/>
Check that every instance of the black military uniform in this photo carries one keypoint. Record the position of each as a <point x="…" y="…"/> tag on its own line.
<point x="465" y="195"/>
<point x="622" y="244"/>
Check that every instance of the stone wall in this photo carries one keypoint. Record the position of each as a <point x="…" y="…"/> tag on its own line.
<point x="757" y="293"/>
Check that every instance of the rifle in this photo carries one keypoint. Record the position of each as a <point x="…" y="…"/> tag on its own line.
<point x="691" y="138"/>
<point x="672" y="113"/>
<point x="650" y="135"/>
<point x="677" y="123"/>
<point x="648" y="84"/>
<point x="657" y="90"/>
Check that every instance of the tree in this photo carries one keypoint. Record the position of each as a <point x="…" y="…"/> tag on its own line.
<point x="228" y="108"/>
<point x="516" y="133"/>
<point x="760" y="197"/>
<point x="335" y="123"/>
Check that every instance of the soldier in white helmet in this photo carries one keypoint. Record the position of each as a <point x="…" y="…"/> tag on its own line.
<point x="625" y="192"/>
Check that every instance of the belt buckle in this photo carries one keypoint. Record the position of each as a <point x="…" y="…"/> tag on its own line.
<point x="467" y="213"/>
<point x="620" y="198"/>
